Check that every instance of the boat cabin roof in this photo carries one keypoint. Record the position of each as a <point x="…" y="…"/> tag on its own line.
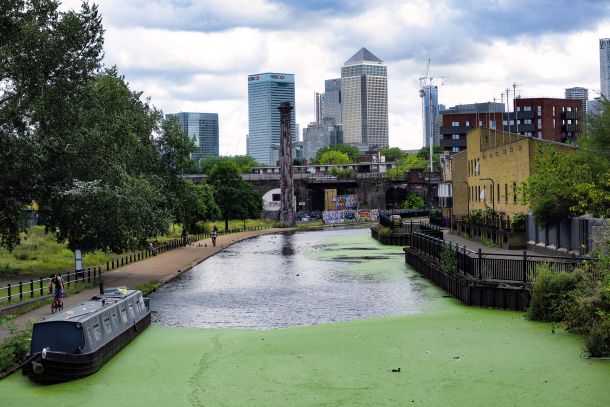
<point x="87" y="309"/>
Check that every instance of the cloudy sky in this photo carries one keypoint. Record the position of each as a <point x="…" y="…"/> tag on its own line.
<point x="195" y="55"/>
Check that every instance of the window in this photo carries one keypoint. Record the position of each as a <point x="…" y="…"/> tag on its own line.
<point x="455" y="136"/>
<point x="527" y="108"/>
<point x="539" y="123"/>
<point x="455" y="149"/>
<point x="506" y="194"/>
<point x="527" y="121"/>
<point x="498" y="193"/>
<point x="480" y="123"/>
<point x="467" y="123"/>
<point x="539" y="110"/>
<point x="97" y="332"/>
<point x="455" y="124"/>
<point x="124" y="314"/>
<point x="107" y="325"/>
<point x="276" y="197"/>
<point x="514" y="192"/>
<point x="539" y="134"/>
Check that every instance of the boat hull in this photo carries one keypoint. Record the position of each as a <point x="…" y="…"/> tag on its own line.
<point x="57" y="367"/>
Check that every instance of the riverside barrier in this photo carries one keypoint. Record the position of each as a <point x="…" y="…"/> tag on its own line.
<point x="478" y="278"/>
<point x="40" y="287"/>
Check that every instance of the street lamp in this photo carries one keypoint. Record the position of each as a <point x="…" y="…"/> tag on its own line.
<point x="493" y="185"/>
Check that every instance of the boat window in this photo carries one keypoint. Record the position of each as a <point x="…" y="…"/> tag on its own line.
<point x="131" y="310"/>
<point x="97" y="332"/>
<point x="123" y="314"/>
<point x="107" y="326"/>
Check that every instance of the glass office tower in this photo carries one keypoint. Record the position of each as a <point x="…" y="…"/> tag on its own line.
<point x="203" y="129"/>
<point x="265" y="93"/>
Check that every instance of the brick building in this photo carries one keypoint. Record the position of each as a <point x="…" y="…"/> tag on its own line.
<point x="459" y="120"/>
<point x="489" y="174"/>
<point x="552" y="119"/>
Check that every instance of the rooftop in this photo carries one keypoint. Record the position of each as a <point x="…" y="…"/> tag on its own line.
<point x="362" y="56"/>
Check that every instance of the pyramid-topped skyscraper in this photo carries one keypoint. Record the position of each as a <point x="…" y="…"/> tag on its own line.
<point x="364" y="100"/>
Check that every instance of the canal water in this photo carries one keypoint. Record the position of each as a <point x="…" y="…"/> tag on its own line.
<point x="301" y="278"/>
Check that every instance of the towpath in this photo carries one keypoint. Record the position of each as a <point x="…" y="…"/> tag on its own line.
<point x="162" y="267"/>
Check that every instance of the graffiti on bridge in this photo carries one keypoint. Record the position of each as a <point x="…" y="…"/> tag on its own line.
<point x="350" y="216"/>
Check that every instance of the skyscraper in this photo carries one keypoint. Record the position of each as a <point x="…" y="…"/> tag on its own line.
<point x="429" y="95"/>
<point x="578" y="93"/>
<point x="604" y="66"/>
<point x="331" y="100"/>
<point x="364" y="100"/>
<point x="203" y="129"/>
<point x="265" y="93"/>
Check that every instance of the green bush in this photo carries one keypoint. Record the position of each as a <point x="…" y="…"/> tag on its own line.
<point x="384" y="231"/>
<point x="448" y="260"/>
<point x="14" y="348"/>
<point x="552" y="295"/>
<point x="518" y="224"/>
<point x="597" y="342"/>
<point x="414" y="201"/>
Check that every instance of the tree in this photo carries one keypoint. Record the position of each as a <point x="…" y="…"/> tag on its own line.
<point x="46" y="56"/>
<point x="555" y="187"/>
<point x="244" y="162"/>
<point x="404" y="164"/>
<point x="194" y="203"/>
<point x="392" y="153"/>
<point x="235" y="198"/>
<point x="352" y="152"/>
<point x="334" y="157"/>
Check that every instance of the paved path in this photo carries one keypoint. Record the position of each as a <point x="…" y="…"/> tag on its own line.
<point x="475" y="245"/>
<point x="162" y="267"/>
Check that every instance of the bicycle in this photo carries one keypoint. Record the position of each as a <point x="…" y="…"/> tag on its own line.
<point x="57" y="305"/>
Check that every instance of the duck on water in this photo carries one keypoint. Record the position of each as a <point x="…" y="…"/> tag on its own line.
<point x="78" y="341"/>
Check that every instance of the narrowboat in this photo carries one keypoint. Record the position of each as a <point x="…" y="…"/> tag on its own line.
<point x="78" y="341"/>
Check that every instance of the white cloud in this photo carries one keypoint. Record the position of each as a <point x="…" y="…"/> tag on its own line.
<point x="196" y="55"/>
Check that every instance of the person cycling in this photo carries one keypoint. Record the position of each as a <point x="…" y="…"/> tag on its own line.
<point x="214" y="235"/>
<point x="58" y="282"/>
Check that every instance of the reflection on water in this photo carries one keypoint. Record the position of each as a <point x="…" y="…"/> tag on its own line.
<point x="293" y="279"/>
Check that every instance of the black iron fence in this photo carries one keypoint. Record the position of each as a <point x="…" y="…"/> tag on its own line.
<point x="488" y="266"/>
<point x="24" y="290"/>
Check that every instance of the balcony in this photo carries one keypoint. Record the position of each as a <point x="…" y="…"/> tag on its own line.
<point x="569" y="115"/>
<point x="455" y="129"/>
<point x="524" y="128"/>
<point x="453" y="143"/>
<point x="570" y="128"/>
<point x="525" y="115"/>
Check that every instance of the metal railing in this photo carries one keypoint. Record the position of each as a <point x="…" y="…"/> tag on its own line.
<point x="487" y="266"/>
<point x="24" y="290"/>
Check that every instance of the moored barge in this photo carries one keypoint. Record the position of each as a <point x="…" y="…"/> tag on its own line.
<point x="78" y="341"/>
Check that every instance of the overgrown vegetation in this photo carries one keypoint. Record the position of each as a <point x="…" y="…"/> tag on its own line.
<point x="573" y="182"/>
<point x="14" y="348"/>
<point x="352" y="153"/>
<point x="580" y="300"/>
<point x="414" y="201"/>
<point x="448" y="260"/>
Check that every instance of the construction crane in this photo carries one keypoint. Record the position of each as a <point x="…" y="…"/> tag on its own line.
<point x="425" y="81"/>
